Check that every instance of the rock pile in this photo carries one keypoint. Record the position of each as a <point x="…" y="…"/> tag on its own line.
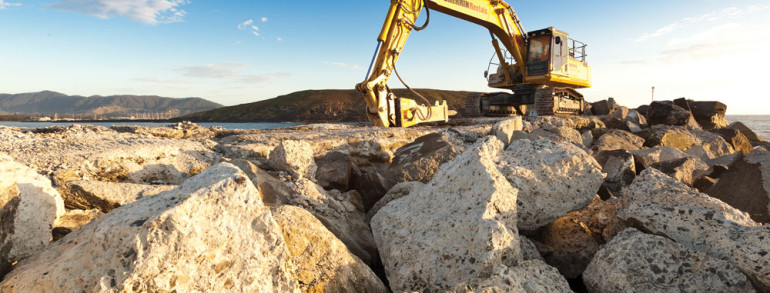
<point x="667" y="198"/>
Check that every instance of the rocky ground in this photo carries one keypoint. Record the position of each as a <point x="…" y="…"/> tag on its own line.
<point x="663" y="198"/>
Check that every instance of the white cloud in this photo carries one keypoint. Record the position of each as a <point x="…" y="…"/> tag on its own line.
<point x="730" y="12"/>
<point x="160" y="80"/>
<point x="264" y="19"/>
<point x="151" y="12"/>
<point x="279" y="39"/>
<point x="249" y="26"/>
<point x="4" y="5"/>
<point x="342" y="65"/>
<point x="245" y="24"/>
<point x="222" y="70"/>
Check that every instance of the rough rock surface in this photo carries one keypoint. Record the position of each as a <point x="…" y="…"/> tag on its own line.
<point x="709" y="115"/>
<point x="746" y="186"/>
<point x="28" y="208"/>
<point x="638" y="262"/>
<point x="746" y="131"/>
<point x="96" y="153"/>
<point x="181" y="130"/>
<point x="212" y="233"/>
<point x="371" y="184"/>
<point x="294" y="157"/>
<point x="532" y="276"/>
<point x="334" y="170"/>
<point x="646" y="158"/>
<point x="342" y="213"/>
<point x="666" y="113"/>
<point x="419" y="160"/>
<point x="72" y="220"/>
<point x="678" y="137"/>
<point x="736" y="139"/>
<point x="570" y="243"/>
<point x="503" y="130"/>
<point x="568" y="133"/>
<point x="439" y="249"/>
<point x="106" y="196"/>
<point x="663" y="206"/>
<point x="619" y="166"/>
<point x="273" y="191"/>
<point x="553" y="179"/>
<point x="686" y="170"/>
<point x="322" y="263"/>
<point x="398" y="191"/>
<point x="618" y="139"/>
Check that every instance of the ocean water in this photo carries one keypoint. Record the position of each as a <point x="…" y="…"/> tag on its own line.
<point x="108" y="124"/>
<point x="760" y="124"/>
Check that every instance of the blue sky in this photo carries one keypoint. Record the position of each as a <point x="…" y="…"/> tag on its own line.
<point x="235" y="52"/>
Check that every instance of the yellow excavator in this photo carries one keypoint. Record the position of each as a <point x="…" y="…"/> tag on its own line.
<point x="542" y="68"/>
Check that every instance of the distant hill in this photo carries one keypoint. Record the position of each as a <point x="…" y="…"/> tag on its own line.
<point x="49" y="103"/>
<point x="317" y="106"/>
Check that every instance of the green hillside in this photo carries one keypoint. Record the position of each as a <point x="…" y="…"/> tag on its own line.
<point x="316" y="106"/>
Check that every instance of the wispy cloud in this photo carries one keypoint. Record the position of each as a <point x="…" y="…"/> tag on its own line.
<point x="222" y="70"/>
<point x="231" y="71"/>
<point x="249" y="26"/>
<point x="342" y="65"/>
<point x="264" y="19"/>
<point x="730" y="12"/>
<point x="5" y="5"/>
<point x="160" y="80"/>
<point x="151" y="12"/>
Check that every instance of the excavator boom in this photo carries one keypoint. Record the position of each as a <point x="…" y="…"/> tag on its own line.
<point x="385" y="109"/>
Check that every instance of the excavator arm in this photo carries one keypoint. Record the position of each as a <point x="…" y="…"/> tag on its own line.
<point x="383" y="107"/>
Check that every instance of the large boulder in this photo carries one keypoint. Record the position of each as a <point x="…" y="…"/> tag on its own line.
<point x="663" y="206"/>
<point x="752" y="136"/>
<point x="419" y="160"/>
<point x="532" y="276"/>
<point x="646" y="158"/>
<point x="568" y="133"/>
<point x="601" y="108"/>
<point x="73" y="220"/>
<point x="678" y="137"/>
<point x="553" y="179"/>
<point x="341" y="212"/>
<point x="667" y="113"/>
<point x="273" y="191"/>
<point x="106" y="196"/>
<point x="709" y="115"/>
<point x="619" y="139"/>
<point x="686" y="170"/>
<point x="322" y="263"/>
<point x="746" y="186"/>
<point x="503" y="130"/>
<point x="294" y="157"/>
<point x="470" y="202"/>
<point x="570" y="243"/>
<point x="398" y="191"/>
<point x="29" y="206"/>
<point x="212" y="233"/>
<point x="638" y="262"/>
<point x="619" y="166"/>
<point x="334" y="170"/>
<point x="735" y="138"/>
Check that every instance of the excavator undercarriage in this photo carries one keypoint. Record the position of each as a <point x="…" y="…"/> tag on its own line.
<point x="526" y="101"/>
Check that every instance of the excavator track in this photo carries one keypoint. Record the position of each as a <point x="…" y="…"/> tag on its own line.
<point x="558" y="101"/>
<point x="473" y="105"/>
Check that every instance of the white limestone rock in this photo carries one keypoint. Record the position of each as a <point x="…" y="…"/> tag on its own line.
<point x="322" y="262"/>
<point x="531" y="276"/>
<point x="553" y="179"/>
<point x="666" y="207"/>
<point x="645" y="158"/>
<point x="294" y="157"/>
<point x="342" y="213"/>
<point x="638" y="262"/>
<point x="106" y="196"/>
<point x="211" y="234"/>
<point x="459" y="226"/>
<point x="28" y="208"/>
<point x="503" y="130"/>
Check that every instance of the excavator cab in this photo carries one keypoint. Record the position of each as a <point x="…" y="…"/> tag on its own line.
<point x="553" y="59"/>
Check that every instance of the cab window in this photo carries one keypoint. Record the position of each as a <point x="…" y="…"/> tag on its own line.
<point x="539" y="49"/>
